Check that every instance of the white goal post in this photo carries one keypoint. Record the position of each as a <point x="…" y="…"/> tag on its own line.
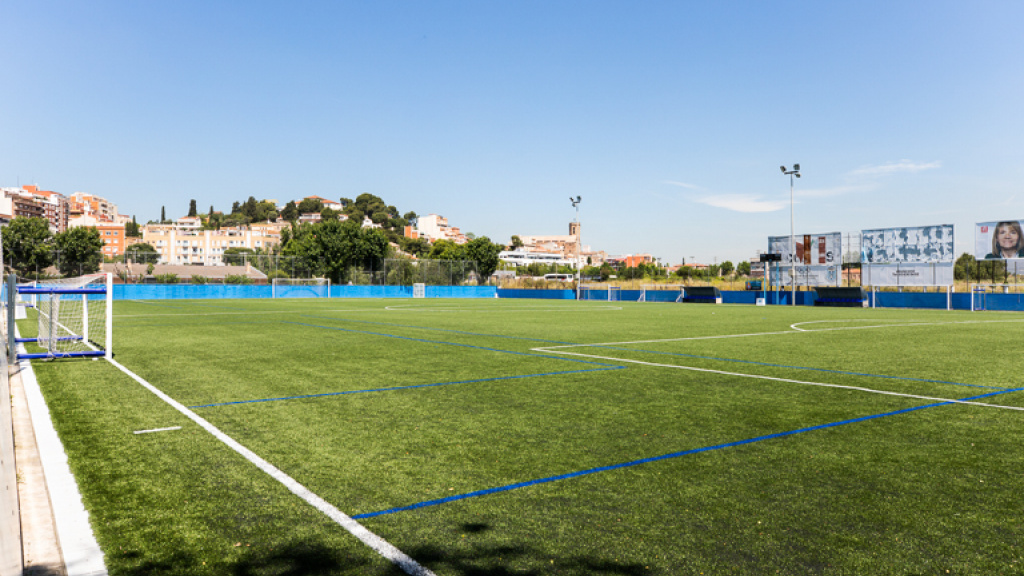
<point x="301" y="288"/>
<point x="662" y="293"/>
<point x="75" y="316"/>
<point x="600" y="292"/>
<point x="981" y="292"/>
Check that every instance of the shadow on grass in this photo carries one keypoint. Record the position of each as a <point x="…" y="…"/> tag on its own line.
<point x="316" y="560"/>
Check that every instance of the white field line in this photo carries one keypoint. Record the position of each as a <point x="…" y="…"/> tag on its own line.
<point x="550" y="350"/>
<point x="168" y="429"/>
<point x="380" y="545"/>
<point x="794" y="330"/>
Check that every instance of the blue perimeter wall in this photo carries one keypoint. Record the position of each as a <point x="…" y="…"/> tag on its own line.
<point x="202" y="291"/>
<point x="932" y="300"/>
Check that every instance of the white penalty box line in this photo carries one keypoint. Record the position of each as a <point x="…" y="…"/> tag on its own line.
<point x="561" y="350"/>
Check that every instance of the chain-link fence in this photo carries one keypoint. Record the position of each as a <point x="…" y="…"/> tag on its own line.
<point x="387" y="272"/>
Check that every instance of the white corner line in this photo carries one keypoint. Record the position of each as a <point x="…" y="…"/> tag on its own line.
<point x="82" y="554"/>
<point x="381" y="546"/>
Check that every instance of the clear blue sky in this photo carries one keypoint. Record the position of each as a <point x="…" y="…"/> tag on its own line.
<point x="670" y="119"/>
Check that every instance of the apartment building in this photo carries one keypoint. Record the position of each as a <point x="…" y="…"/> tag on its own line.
<point x="101" y="209"/>
<point x="434" y="228"/>
<point x="31" y="202"/>
<point x="183" y="245"/>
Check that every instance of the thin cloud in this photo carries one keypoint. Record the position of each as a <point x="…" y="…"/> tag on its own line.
<point x="683" y="185"/>
<point x="743" y="203"/>
<point x="903" y="166"/>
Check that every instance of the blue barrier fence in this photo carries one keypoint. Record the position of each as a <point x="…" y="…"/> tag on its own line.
<point x="926" y="300"/>
<point x="206" y="291"/>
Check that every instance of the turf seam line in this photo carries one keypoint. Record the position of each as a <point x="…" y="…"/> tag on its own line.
<point x="424" y="340"/>
<point x="412" y="386"/>
<point x="804" y="382"/>
<point x="669" y="456"/>
<point x="381" y="546"/>
<point x="463" y="332"/>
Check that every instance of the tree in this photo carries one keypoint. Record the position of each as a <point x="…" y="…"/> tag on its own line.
<point x="727" y="268"/>
<point x="411" y="218"/>
<point x="517" y="242"/>
<point x="330" y="248"/>
<point x="446" y="250"/>
<point x="192" y="212"/>
<point x="290" y="212"/>
<point x="309" y="205"/>
<point x="250" y="209"/>
<point x="163" y="215"/>
<point x="79" y="251"/>
<point x="132" y="229"/>
<point x="142" y="253"/>
<point x="28" y="244"/>
<point x="743" y="269"/>
<point x="237" y="256"/>
<point x="417" y="247"/>
<point x="485" y="253"/>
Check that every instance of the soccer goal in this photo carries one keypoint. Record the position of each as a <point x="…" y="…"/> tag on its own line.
<point x="301" y="288"/>
<point x="996" y="296"/>
<point x="599" y="292"/>
<point x="662" y="293"/>
<point x="419" y="290"/>
<point x="75" y="316"/>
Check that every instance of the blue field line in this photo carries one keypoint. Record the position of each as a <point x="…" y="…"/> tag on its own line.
<point x="393" y="325"/>
<point x="412" y="386"/>
<point x="409" y="338"/>
<point x="669" y="456"/>
<point x="793" y="367"/>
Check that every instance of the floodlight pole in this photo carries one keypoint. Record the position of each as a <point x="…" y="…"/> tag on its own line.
<point x="579" y="243"/>
<point x="792" y="236"/>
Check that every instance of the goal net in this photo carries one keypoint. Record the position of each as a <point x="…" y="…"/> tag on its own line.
<point x="301" y="288"/>
<point x="599" y="292"/>
<point x="662" y="293"/>
<point x="997" y="296"/>
<point x="75" y="316"/>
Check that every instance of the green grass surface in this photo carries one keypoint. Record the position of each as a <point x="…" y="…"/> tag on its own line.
<point x="388" y="403"/>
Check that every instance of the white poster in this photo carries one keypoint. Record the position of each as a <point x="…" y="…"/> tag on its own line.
<point x="1002" y="240"/>
<point x="910" y="244"/>
<point x="907" y="274"/>
<point x="811" y="249"/>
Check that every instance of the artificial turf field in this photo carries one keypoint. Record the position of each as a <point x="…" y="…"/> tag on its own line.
<point x="528" y="437"/>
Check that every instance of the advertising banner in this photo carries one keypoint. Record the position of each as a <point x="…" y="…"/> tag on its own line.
<point x="811" y="249"/>
<point x="912" y="244"/>
<point x="806" y="275"/>
<point x="908" y="274"/>
<point x="1002" y="240"/>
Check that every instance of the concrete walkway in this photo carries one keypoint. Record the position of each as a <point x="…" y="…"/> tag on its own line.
<point x="42" y="555"/>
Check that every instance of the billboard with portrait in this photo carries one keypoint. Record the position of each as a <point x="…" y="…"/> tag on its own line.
<point x="909" y="244"/>
<point x="1000" y="240"/>
<point x="811" y="249"/>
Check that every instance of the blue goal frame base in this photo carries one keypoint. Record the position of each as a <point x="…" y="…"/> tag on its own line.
<point x="44" y="355"/>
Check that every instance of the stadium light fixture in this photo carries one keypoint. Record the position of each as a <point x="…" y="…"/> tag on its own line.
<point x="579" y="243"/>
<point x="792" y="237"/>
